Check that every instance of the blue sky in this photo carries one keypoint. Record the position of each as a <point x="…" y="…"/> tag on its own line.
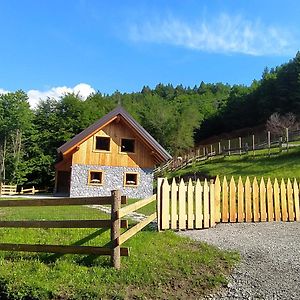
<point x="51" y="47"/>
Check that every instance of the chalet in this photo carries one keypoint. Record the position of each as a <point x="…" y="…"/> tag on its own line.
<point x="113" y="153"/>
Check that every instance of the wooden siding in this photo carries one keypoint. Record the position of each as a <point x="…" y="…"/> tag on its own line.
<point x="87" y="155"/>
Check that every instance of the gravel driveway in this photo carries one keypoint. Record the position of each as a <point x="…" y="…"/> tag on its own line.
<point x="270" y="259"/>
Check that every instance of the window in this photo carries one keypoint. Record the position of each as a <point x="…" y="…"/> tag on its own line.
<point x="128" y="145"/>
<point x="102" y="143"/>
<point x="95" y="177"/>
<point x="131" y="179"/>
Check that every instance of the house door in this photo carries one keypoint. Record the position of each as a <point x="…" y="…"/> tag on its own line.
<point x="63" y="182"/>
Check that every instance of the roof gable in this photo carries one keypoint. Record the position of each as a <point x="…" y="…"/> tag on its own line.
<point x="146" y="138"/>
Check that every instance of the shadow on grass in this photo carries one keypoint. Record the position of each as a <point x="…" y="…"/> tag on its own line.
<point x="86" y="260"/>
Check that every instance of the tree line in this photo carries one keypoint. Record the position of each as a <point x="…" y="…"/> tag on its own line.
<point x="178" y="117"/>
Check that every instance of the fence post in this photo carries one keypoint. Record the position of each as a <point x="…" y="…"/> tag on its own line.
<point x="240" y="145"/>
<point x="269" y="142"/>
<point x="287" y="138"/>
<point x="115" y="229"/>
<point x="220" y="150"/>
<point x="253" y="144"/>
<point x="158" y="202"/>
<point x="229" y="147"/>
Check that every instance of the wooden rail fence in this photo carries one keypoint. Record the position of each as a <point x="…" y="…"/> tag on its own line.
<point x="202" y="205"/>
<point x="115" y="224"/>
<point x="236" y="146"/>
<point x="6" y="189"/>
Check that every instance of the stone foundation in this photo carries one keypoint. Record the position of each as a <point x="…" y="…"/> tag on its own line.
<point x="113" y="179"/>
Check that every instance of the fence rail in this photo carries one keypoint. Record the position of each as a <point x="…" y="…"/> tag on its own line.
<point x="115" y="224"/>
<point x="237" y="146"/>
<point x="6" y="189"/>
<point x="196" y="205"/>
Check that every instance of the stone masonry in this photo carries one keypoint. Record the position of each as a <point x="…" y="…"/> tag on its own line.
<point x="113" y="178"/>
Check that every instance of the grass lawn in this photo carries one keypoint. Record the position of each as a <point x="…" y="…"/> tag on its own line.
<point x="160" y="265"/>
<point x="278" y="165"/>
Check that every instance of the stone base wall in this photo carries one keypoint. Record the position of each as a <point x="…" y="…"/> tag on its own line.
<point x="113" y="179"/>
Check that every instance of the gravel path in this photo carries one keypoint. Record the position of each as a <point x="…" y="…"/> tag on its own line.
<point x="270" y="259"/>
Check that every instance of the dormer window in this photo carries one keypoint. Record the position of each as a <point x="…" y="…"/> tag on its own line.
<point x="127" y="145"/>
<point x="102" y="143"/>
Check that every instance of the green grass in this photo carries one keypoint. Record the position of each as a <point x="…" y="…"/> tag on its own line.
<point x="278" y="165"/>
<point x="160" y="265"/>
<point x="146" y="210"/>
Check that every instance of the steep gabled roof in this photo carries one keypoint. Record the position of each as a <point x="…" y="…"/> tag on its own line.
<point x="162" y="154"/>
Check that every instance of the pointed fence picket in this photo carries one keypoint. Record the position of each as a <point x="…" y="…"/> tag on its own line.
<point x="202" y="205"/>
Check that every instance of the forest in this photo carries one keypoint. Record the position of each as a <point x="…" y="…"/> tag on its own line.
<point x="177" y="117"/>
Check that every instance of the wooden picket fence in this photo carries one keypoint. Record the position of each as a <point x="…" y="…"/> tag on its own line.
<point x="202" y="205"/>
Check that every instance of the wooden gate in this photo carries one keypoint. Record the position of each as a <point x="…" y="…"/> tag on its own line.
<point x="201" y="205"/>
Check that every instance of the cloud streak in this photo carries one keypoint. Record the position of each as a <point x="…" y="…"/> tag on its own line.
<point x="223" y="34"/>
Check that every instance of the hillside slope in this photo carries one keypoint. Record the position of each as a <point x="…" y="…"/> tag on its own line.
<point x="278" y="165"/>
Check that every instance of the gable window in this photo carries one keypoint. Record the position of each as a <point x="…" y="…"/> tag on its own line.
<point x="131" y="179"/>
<point x="128" y="145"/>
<point x="95" y="178"/>
<point x="102" y="143"/>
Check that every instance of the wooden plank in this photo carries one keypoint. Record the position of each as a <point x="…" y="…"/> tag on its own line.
<point x="190" y="205"/>
<point x="212" y="208"/>
<point x="240" y="192"/>
<point x="165" y="205"/>
<point x="198" y="205"/>
<point x="270" y="201"/>
<point x="158" y="202"/>
<point x="248" y="206"/>
<point x="174" y="199"/>
<point x="59" y="201"/>
<point x="61" y="224"/>
<point x="61" y="249"/>
<point x="296" y="199"/>
<point x="182" y="205"/>
<point x="136" y="205"/>
<point x="276" y="200"/>
<point x="255" y="190"/>
<point x="224" y="200"/>
<point x="262" y="201"/>
<point x="232" y="201"/>
<point x="217" y="200"/>
<point x="284" y="213"/>
<point x="290" y="201"/>
<point x="206" y="204"/>
<point x="136" y="228"/>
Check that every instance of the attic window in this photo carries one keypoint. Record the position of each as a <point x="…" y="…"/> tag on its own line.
<point x="128" y="145"/>
<point x="102" y="143"/>
<point x="95" y="177"/>
<point x="131" y="179"/>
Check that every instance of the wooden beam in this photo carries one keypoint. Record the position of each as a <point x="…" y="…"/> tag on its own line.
<point x="61" y="224"/>
<point x="135" y="206"/>
<point x="135" y="229"/>
<point x="60" y="249"/>
<point x="59" y="201"/>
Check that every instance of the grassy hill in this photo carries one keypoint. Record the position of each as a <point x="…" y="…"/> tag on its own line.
<point x="277" y="165"/>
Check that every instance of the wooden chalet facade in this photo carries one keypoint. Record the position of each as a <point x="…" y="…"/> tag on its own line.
<point x="113" y="153"/>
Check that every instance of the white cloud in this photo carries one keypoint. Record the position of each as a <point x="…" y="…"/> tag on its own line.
<point x="2" y="91"/>
<point x="83" y="90"/>
<point x="224" y="34"/>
